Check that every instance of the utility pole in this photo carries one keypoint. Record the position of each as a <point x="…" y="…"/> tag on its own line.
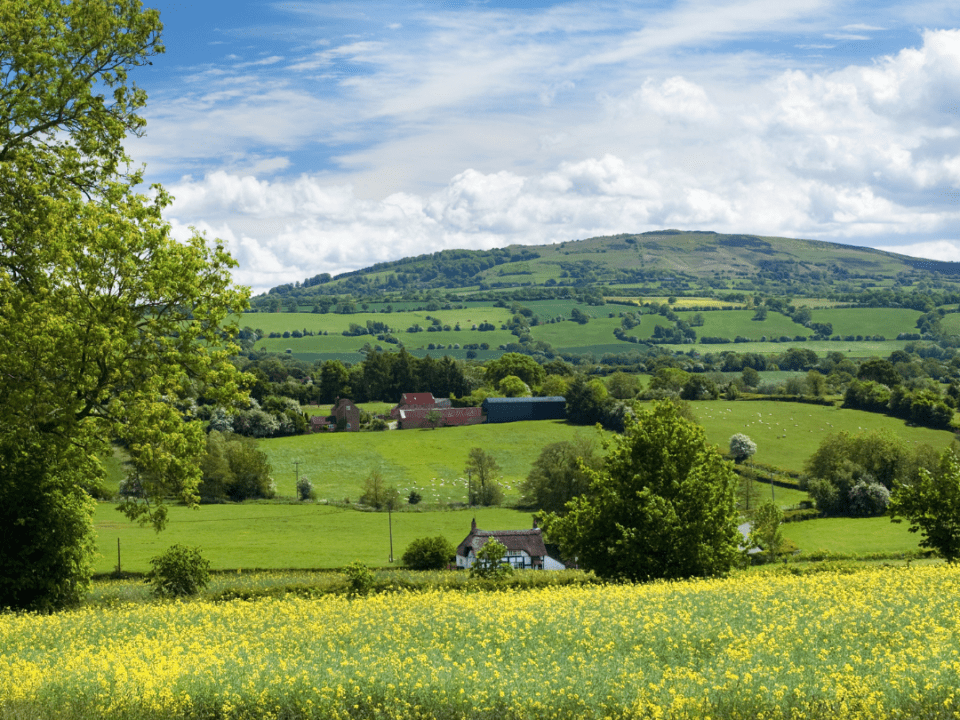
<point x="390" y="521"/>
<point x="296" y="479"/>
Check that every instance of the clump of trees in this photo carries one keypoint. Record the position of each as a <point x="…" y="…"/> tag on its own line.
<point x="853" y="474"/>
<point x="661" y="506"/>
<point x="377" y="494"/>
<point x="234" y="468"/>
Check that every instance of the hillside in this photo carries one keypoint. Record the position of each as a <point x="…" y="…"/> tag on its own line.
<point x="657" y="262"/>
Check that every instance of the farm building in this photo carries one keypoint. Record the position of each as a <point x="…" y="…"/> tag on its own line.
<point x="411" y="412"/>
<point x="525" y="548"/>
<point x="345" y="411"/>
<point x="499" y="410"/>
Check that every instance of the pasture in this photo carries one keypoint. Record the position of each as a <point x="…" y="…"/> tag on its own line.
<point x="280" y="536"/>
<point x="851" y="536"/>
<point x="787" y="433"/>
<point x="864" y="646"/>
<point x="429" y="461"/>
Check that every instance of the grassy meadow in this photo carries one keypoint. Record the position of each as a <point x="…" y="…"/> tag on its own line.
<point x="280" y="536"/>
<point x="870" y="645"/>
<point x="430" y="461"/>
<point x="788" y="433"/>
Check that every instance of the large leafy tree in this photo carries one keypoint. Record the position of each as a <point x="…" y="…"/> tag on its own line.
<point x="931" y="503"/>
<point x="109" y="328"/>
<point x="662" y="506"/>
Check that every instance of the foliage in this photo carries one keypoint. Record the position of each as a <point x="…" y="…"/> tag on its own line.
<point x="511" y="363"/>
<point x="489" y="564"/>
<point x="483" y="471"/>
<point x="742" y="447"/>
<point x="109" y="327"/>
<point x="377" y="494"/>
<point x="844" y="461"/>
<point x="512" y="386"/>
<point x="931" y="503"/>
<point x="179" y="571"/>
<point x="46" y="557"/>
<point x="766" y="532"/>
<point x="560" y="474"/>
<point x="359" y="578"/>
<point x="434" y="418"/>
<point x="587" y="401"/>
<point x="414" y="498"/>
<point x="430" y="553"/>
<point x="868" y="499"/>
<point x="662" y="506"/>
<point x="234" y="468"/>
<point x="305" y="489"/>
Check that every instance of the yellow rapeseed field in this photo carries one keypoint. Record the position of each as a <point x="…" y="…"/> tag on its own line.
<point x="875" y="644"/>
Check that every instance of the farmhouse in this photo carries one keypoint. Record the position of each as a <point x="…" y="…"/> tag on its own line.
<point x="500" y="410"/>
<point x="525" y="548"/>
<point x="345" y="412"/>
<point x="413" y="409"/>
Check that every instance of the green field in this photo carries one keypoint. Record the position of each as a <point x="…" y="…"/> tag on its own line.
<point x="888" y="322"/>
<point x="852" y="536"/>
<point x="430" y="461"/>
<point x="265" y="535"/>
<point x="788" y="433"/>
<point x="731" y="323"/>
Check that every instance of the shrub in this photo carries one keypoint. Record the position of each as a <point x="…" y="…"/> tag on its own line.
<point x="742" y="447"/>
<point x="488" y="564"/>
<point x="305" y="489"/>
<point x="414" y="497"/>
<point x="868" y="499"/>
<point x="178" y="572"/>
<point x="359" y="578"/>
<point x="429" y="553"/>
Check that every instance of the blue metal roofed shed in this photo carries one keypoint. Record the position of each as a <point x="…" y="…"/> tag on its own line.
<point x="499" y="410"/>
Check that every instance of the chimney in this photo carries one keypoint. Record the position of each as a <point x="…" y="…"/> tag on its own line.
<point x="473" y="524"/>
<point x="536" y="523"/>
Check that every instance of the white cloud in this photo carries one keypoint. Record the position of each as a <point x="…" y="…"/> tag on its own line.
<point x="946" y="250"/>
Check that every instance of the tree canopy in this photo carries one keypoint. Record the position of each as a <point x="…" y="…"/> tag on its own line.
<point x="662" y="506"/>
<point x="931" y="503"/>
<point x="110" y="329"/>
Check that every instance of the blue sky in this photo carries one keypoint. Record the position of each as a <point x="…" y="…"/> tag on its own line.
<point x="322" y="136"/>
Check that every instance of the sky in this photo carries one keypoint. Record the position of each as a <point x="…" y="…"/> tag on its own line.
<point x="326" y="136"/>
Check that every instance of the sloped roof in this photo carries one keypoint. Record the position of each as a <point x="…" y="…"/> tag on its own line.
<point x="508" y="401"/>
<point x="530" y="541"/>
<point x="418" y="399"/>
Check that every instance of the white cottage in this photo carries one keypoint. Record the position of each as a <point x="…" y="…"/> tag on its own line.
<point x="525" y="548"/>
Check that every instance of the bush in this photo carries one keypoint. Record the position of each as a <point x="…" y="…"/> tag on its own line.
<point x="868" y="499"/>
<point x="742" y="447"/>
<point x="178" y="572"/>
<point x="429" y="553"/>
<point x="489" y="565"/>
<point x="414" y="498"/>
<point x="305" y="489"/>
<point x="359" y="577"/>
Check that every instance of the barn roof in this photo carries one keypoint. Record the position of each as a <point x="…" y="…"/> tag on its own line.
<point x="418" y="398"/>
<point x="507" y="401"/>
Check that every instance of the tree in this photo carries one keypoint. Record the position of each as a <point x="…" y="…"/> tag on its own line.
<point x="434" y="418"/>
<point x="489" y="563"/>
<point x="742" y="447"/>
<point x="429" y="553"/>
<point x="662" y="506"/>
<point x="109" y="328"/>
<point x="622" y="386"/>
<point x="586" y="400"/>
<point x="523" y="366"/>
<point x="374" y="490"/>
<point x="560" y="473"/>
<point x="512" y="386"/>
<point x="482" y="469"/>
<point x="766" y="532"/>
<point x="932" y="505"/>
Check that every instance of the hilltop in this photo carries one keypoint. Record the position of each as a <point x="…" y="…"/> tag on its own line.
<point x="674" y="261"/>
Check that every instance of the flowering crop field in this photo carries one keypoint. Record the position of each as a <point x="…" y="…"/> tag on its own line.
<point x="874" y="644"/>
